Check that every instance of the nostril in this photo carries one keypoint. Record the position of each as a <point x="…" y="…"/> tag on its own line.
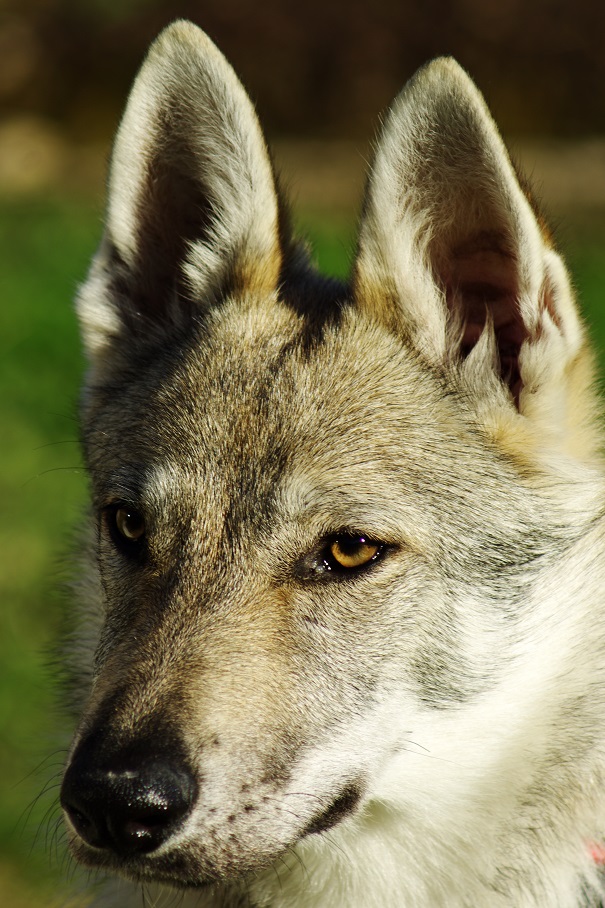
<point x="129" y="810"/>
<point x="90" y="828"/>
<point x="86" y="815"/>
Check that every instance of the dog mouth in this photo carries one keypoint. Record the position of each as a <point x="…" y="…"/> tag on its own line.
<point x="181" y="868"/>
<point x="130" y="814"/>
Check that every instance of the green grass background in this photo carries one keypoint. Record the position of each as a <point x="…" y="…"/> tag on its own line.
<point x="45" y="244"/>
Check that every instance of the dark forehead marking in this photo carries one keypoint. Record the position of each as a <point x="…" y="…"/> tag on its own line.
<point x="318" y="299"/>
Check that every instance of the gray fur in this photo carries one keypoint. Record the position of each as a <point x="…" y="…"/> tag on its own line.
<point x="427" y="730"/>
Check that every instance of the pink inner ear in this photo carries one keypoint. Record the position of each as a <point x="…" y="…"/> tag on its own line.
<point x="480" y="276"/>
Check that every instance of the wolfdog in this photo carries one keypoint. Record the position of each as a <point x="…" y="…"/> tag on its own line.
<point x="341" y="636"/>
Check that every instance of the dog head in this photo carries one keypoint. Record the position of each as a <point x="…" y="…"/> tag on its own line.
<point x="316" y="506"/>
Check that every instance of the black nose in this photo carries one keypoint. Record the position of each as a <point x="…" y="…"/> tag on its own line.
<point x="124" y="804"/>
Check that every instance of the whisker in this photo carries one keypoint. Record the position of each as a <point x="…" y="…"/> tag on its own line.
<point x="54" y="444"/>
<point x="52" y="470"/>
<point x="41" y="765"/>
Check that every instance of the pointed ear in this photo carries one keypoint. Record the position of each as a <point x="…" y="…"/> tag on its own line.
<point x="450" y="252"/>
<point x="192" y="209"/>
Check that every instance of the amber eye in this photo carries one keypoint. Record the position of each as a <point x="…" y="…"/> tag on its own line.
<point x="350" y="552"/>
<point x="126" y="524"/>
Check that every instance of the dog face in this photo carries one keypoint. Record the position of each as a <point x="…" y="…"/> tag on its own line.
<point x="279" y="579"/>
<point x="318" y="509"/>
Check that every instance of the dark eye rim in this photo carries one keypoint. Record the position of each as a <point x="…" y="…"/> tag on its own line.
<point x="129" y="547"/>
<point x="331" y="566"/>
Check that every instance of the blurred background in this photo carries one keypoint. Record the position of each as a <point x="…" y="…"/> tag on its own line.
<point x="320" y="73"/>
